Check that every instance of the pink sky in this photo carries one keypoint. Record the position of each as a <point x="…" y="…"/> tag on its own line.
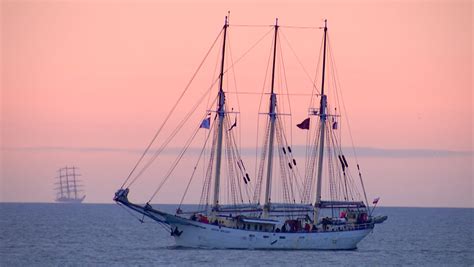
<point x="104" y="74"/>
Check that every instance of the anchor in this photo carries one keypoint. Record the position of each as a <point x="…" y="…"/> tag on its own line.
<point x="176" y="232"/>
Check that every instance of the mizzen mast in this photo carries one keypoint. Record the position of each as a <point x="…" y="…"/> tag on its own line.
<point x="272" y="114"/>
<point x="323" y="117"/>
<point x="221" y="114"/>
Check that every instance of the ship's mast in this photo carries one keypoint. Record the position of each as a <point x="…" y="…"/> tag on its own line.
<point x="272" y="114"/>
<point x="322" y="115"/>
<point x="74" y="181"/>
<point x="221" y="113"/>
<point x="61" y="183"/>
<point x="67" y="184"/>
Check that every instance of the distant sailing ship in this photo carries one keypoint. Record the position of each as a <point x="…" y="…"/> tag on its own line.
<point x="69" y="188"/>
<point x="230" y="212"/>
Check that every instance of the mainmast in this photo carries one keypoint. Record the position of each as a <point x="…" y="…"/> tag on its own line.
<point x="323" y="116"/>
<point x="74" y="181"/>
<point x="221" y="113"/>
<point x="272" y="114"/>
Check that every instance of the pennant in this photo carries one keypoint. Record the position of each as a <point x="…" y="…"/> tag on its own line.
<point x="206" y="123"/>
<point x="376" y="200"/>
<point x="304" y="125"/>
<point x="233" y="125"/>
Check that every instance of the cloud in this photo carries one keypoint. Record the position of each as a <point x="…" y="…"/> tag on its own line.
<point x="70" y="149"/>
<point x="407" y="153"/>
<point x="297" y="150"/>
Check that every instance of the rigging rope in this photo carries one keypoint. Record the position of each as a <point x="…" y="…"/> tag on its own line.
<point x="171" y="111"/>
<point x="287" y="92"/>
<point x="240" y="166"/>
<point x="250" y="25"/>
<point x="175" y="163"/>
<point x="303" y="27"/>
<point x="313" y="82"/>
<point x="173" y="134"/>
<point x="186" y="117"/>
<point x="174" y="107"/>
<point x="290" y="158"/>
<point x="236" y="92"/>
<point x="280" y="26"/>
<point x="258" y="185"/>
<point x="195" y="167"/>
<point x="342" y="100"/>
<point x="316" y="72"/>
<point x="248" y="50"/>
<point x="187" y="144"/>
<point x="259" y="171"/>
<point x="257" y="93"/>
<point x="336" y="75"/>
<point x="204" y="200"/>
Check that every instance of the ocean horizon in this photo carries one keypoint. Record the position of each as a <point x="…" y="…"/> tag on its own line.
<point x="196" y="204"/>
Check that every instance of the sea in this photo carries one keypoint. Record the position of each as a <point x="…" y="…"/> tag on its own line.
<point x="107" y="235"/>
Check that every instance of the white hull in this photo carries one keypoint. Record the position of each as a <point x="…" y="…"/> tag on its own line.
<point x="200" y="235"/>
<point x="71" y="200"/>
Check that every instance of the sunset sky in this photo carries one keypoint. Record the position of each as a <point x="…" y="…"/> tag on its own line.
<point x="87" y="83"/>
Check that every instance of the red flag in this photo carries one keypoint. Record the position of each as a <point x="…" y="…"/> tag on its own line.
<point x="304" y="125"/>
<point x="233" y="125"/>
<point x="376" y="200"/>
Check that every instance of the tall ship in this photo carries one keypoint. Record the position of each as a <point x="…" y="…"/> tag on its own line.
<point x="317" y="205"/>
<point x="69" y="188"/>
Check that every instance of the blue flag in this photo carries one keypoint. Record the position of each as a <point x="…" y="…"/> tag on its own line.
<point x="206" y="123"/>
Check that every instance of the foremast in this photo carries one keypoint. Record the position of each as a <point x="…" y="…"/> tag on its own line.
<point x="272" y="116"/>
<point x="221" y="115"/>
<point x="323" y="117"/>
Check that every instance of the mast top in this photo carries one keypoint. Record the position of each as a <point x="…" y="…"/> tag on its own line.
<point x="324" y="58"/>
<point x="274" y="55"/>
